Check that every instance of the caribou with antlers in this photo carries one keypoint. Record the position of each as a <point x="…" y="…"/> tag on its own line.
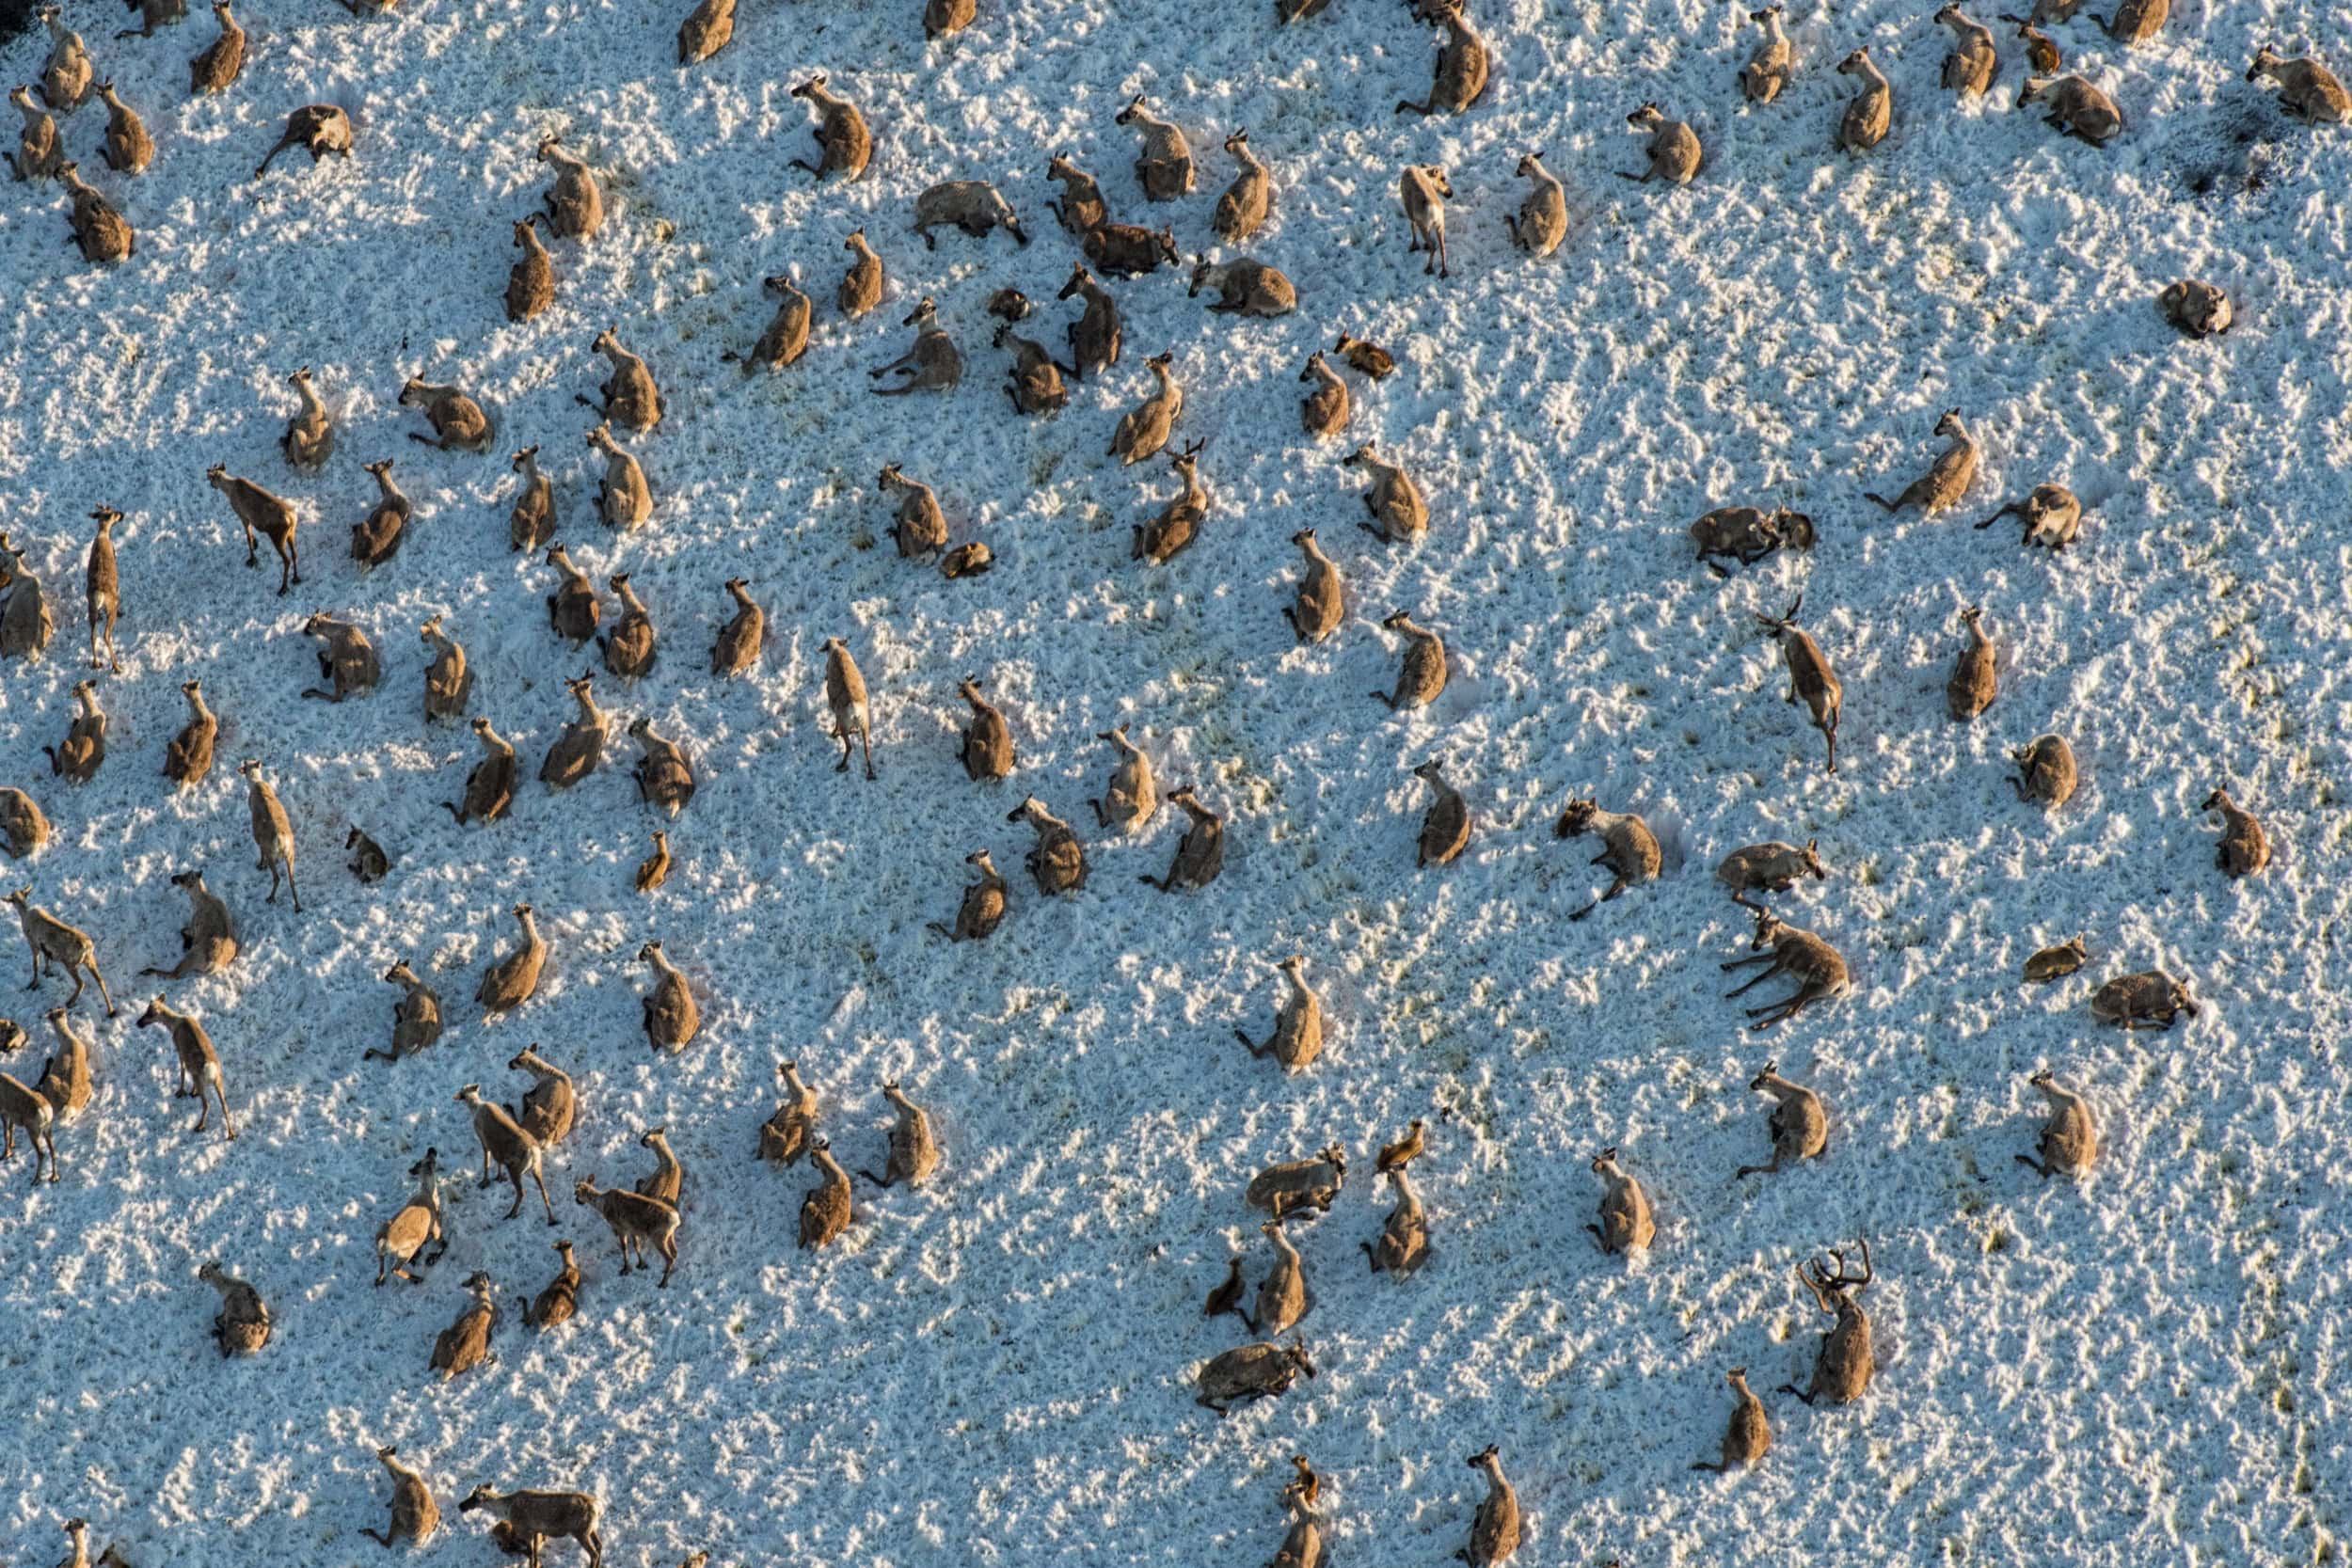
<point x="1842" y="1368"/>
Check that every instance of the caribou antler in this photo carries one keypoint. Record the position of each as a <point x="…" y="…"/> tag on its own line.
<point x="1813" y="1285"/>
<point x="1824" y="1283"/>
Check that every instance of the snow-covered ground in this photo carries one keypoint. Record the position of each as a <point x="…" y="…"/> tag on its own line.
<point x="2143" y="1367"/>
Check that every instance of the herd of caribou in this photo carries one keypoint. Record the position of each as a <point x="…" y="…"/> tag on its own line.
<point x="646" y="1218"/>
